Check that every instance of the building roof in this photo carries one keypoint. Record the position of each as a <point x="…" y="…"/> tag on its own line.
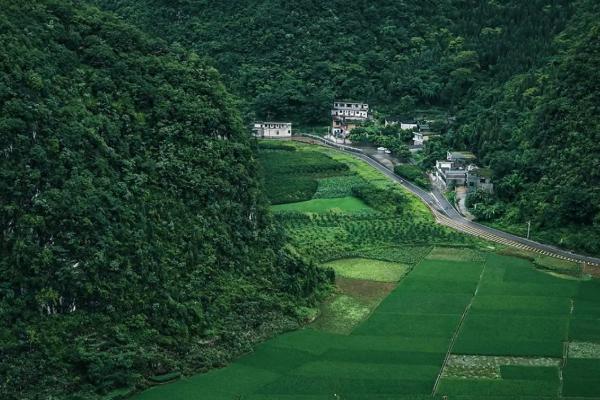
<point x="271" y="122"/>
<point x="462" y="155"/>
<point x="349" y="102"/>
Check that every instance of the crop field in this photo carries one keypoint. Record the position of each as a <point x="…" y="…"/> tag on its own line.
<point x="419" y="312"/>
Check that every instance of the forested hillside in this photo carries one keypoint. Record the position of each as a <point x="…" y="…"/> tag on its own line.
<point x="135" y="237"/>
<point x="520" y="76"/>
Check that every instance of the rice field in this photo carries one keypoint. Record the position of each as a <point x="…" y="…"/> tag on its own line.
<point x="420" y="312"/>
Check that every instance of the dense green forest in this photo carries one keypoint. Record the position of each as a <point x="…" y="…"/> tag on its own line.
<point x="135" y="241"/>
<point x="521" y="78"/>
<point x="136" y="236"/>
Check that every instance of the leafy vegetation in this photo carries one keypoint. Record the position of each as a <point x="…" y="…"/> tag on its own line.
<point x="413" y="174"/>
<point x="135" y="238"/>
<point x="391" y="137"/>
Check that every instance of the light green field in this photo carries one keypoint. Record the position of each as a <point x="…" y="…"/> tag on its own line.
<point x="372" y="270"/>
<point x="346" y="204"/>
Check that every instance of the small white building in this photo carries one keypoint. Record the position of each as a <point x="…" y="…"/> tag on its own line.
<point x="418" y="139"/>
<point x="272" y="129"/>
<point x="405" y="125"/>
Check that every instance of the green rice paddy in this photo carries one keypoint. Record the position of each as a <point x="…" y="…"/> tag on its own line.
<point x="420" y="313"/>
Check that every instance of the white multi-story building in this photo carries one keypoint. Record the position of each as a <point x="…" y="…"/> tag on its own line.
<point x="272" y="129"/>
<point x="346" y="116"/>
<point x="457" y="170"/>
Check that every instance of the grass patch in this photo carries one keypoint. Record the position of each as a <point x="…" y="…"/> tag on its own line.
<point x="342" y="204"/>
<point x="373" y="270"/>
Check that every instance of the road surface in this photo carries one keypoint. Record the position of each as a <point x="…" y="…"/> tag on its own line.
<point x="447" y="215"/>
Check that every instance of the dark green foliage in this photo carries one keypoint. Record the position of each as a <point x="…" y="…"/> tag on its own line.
<point x="484" y="205"/>
<point x="135" y="239"/>
<point x="413" y="174"/>
<point x="292" y="176"/>
<point x="272" y="145"/>
<point x="390" y="137"/>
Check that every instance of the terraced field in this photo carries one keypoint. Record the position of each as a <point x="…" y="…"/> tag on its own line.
<point x="419" y="313"/>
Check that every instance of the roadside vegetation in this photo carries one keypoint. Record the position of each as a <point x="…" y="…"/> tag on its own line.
<point x="414" y="174"/>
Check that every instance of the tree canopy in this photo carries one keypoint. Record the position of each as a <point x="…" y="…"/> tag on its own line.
<point x="135" y="236"/>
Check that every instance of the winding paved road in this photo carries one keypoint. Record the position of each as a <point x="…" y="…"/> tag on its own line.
<point x="447" y="215"/>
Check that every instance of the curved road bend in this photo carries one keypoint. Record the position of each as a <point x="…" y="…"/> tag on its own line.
<point x="447" y="215"/>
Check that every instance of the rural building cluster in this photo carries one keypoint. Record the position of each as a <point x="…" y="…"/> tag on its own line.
<point x="347" y="116"/>
<point x="459" y="169"/>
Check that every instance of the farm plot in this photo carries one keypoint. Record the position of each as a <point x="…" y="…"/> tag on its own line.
<point x="518" y="311"/>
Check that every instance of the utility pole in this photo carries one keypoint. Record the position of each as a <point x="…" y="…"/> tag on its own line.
<point x="528" y="228"/>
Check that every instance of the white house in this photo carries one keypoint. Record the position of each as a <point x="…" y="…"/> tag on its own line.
<point x="406" y="125"/>
<point x="418" y="139"/>
<point x="272" y="129"/>
<point x="346" y="116"/>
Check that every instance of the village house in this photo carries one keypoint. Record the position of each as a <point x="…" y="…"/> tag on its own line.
<point x="272" y="129"/>
<point x="421" y="129"/>
<point x="479" y="179"/>
<point x="346" y="116"/>
<point x="418" y="139"/>
<point x="406" y="125"/>
<point x="458" y="169"/>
